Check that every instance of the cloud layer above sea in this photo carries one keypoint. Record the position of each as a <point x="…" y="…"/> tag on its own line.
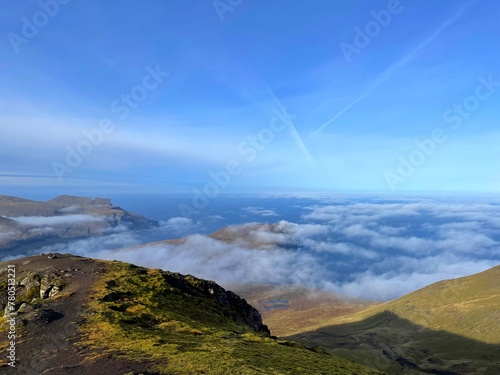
<point x="376" y="249"/>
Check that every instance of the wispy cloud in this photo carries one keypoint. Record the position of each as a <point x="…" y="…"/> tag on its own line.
<point x="41" y="221"/>
<point x="259" y="211"/>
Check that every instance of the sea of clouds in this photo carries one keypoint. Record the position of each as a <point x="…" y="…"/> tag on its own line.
<point x="370" y="248"/>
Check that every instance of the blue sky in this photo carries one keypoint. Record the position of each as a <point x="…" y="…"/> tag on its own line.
<point x="261" y="94"/>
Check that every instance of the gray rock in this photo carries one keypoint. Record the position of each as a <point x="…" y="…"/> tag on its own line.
<point x="32" y="284"/>
<point x="54" y="290"/>
<point x="24" y="308"/>
<point x="50" y="285"/>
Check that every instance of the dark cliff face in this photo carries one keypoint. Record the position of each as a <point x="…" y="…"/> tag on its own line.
<point x="241" y="310"/>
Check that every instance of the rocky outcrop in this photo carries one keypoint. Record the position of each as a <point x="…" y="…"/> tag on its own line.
<point x="242" y="312"/>
<point x="50" y="284"/>
<point x="70" y="200"/>
<point x="102" y="202"/>
<point x="34" y="286"/>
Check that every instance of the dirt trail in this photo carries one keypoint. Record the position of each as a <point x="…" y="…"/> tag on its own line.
<point x="48" y="342"/>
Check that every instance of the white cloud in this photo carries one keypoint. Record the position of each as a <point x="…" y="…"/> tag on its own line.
<point x="70" y="209"/>
<point x="208" y="258"/>
<point x="216" y="217"/>
<point x="303" y="230"/>
<point x="259" y="211"/>
<point x="390" y="285"/>
<point x="41" y="221"/>
<point x="178" y="225"/>
<point x="7" y="234"/>
<point x="372" y="250"/>
<point x="340" y="248"/>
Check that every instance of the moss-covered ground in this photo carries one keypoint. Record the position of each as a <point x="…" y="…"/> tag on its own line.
<point x="136" y="313"/>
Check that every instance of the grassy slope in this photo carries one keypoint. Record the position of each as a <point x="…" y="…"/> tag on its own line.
<point x="467" y="306"/>
<point x="184" y="334"/>
<point x="448" y="326"/>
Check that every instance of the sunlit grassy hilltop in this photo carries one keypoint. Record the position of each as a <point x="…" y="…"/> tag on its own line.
<point x="450" y="327"/>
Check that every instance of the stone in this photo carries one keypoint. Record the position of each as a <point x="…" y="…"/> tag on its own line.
<point x="54" y="290"/>
<point x="32" y="284"/>
<point x="48" y="283"/>
<point x="24" y="308"/>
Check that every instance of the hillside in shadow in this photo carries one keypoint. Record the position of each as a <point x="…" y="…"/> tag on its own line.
<point x="398" y="346"/>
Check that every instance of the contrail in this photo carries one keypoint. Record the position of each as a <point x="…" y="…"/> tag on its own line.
<point x="389" y="72"/>
<point x="337" y="115"/>
<point x="245" y="84"/>
<point x="295" y="134"/>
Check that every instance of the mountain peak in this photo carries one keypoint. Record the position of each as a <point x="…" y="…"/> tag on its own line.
<point x="89" y="316"/>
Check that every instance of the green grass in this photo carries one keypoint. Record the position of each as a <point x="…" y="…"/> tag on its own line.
<point x="448" y="326"/>
<point x="147" y="319"/>
<point x="467" y="306"/>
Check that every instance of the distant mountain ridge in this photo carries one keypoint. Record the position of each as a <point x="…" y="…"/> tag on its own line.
<point x="255" y="235"/>
<point x="13" y="206"/>
<point x="32" y="223"/>
<point x="259" y="236"/>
